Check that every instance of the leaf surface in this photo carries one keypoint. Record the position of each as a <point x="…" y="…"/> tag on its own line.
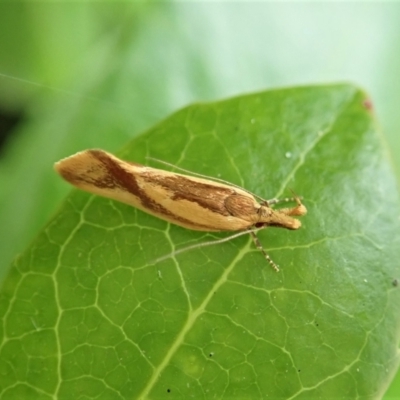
<point x="88" y="312"/>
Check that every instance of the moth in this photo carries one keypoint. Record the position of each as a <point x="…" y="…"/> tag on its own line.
<point x="193" y="202"/>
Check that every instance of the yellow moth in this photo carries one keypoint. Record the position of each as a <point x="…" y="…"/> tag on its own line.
<point x="193" y="202"/>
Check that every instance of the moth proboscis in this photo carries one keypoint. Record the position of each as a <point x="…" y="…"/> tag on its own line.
<point x="193" y="202"/>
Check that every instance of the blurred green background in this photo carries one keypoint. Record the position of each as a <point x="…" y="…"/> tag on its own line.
<point x="80" y="75"/>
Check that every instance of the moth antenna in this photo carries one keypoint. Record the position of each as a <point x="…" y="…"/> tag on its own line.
<point x="204" y="244"/>
<point x="259" y="247"/>
<point x="211" y="178"/>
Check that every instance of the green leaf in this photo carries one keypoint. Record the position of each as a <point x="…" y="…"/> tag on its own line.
<point x="88" y="312"/>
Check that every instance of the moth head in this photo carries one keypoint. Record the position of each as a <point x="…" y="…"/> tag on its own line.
<point x="282" y="217"/>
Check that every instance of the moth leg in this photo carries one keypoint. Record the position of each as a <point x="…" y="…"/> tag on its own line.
<point x="203" y="244"/>
<point x="283" y="200"/>
<point x="259" y="247"/>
